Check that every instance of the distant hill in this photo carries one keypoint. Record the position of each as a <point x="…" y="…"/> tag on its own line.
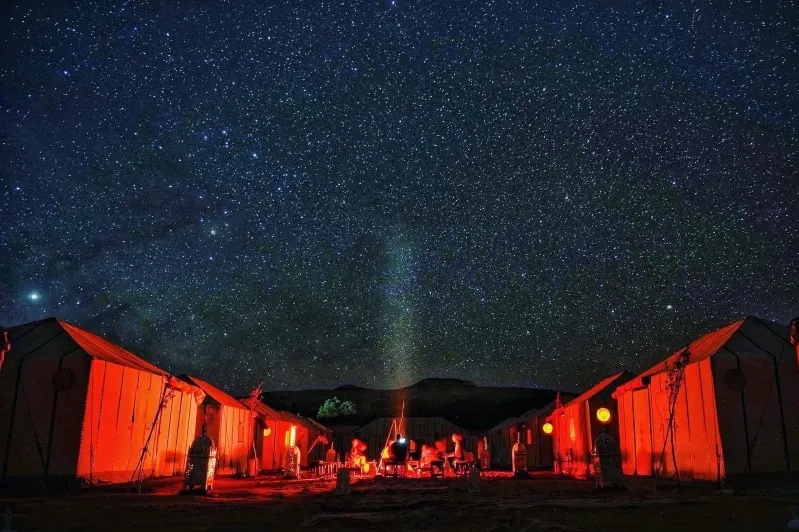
<point x="465" y="404"/>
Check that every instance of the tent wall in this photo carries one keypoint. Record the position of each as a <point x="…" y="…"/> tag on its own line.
<point x="575" y="428"/>
<point x="760" y="423"/>
<point x="273" y="446"/>
<point x="120" y="409"/>
<point x="539" y="445"/>
<point x="302" y="441"/>
<point x="499" y="443"/>
<point x="735" y="412"/>
<point x="691" y="450"/>
<point x="40" y="426"/>
<point x="420" y="429"/>
<point x="233" y="430"/>
<point x="572" y="439"/>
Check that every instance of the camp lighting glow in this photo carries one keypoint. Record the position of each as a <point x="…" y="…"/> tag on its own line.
<point x="603" y="415"/>
<point x="547" y="428"/>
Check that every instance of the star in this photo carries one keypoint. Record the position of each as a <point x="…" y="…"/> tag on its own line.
<point x="514" y="187"/>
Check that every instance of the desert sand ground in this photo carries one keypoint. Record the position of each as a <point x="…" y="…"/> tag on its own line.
<point x="543" y="503"/>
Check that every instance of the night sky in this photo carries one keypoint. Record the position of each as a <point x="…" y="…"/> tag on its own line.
<point x="322" y="193"/>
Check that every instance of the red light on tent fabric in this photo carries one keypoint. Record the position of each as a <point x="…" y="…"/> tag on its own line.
<point x="794" y="332"/>
<point x="547" y="428"/>
<point x="603" y="415"/>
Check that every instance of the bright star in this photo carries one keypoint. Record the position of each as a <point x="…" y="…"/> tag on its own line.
<point x="669" y="307"/>
<point x="33" y="296"/>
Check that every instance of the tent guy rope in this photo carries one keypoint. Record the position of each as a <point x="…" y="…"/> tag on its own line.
<point x="394" y="429"/>
<point x="676" y="374"/>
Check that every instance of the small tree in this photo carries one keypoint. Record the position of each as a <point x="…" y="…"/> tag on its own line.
<point x="335" y="408"/>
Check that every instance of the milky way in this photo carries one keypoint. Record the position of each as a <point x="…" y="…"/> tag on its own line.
<point x="371" y="193"/>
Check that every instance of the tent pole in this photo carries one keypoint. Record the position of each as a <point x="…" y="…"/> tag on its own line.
<point x="395" y="428"/>
<point x="255" y="454"/>
<point x="140" y="465"/>
<point x="674" y="393"/>
<point x="391" y="429"/>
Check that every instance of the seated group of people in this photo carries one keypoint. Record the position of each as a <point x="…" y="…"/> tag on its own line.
<point x="400" y="451"/>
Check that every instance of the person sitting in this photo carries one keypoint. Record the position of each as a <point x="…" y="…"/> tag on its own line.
<point x="441" y="448"/>
<point x="412" y="452"/>
<point x="357" y="455"/>
<point x="398" y="455"/>
<point x="457" y="454"/>
<point x="399" y="450"/>
<point x="427" y="454"/>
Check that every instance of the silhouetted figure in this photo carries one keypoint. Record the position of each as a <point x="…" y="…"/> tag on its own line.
<point x="457" y="454"/>
<point x="397" y="456"/>
<point x="399" y="450"/>
<point x="606" y="456"/>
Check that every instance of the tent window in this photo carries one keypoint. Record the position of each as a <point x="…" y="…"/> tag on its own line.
<point x="241" y="432"/>
<point x="529" y="437"/>
<point x="572" y="430"/>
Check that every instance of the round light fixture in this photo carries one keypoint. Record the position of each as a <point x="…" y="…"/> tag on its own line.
<point x="603" y="415"/>
<point x="547" y="428"/>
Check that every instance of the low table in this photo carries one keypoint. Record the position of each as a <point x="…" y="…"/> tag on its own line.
<point x="437" y="468"/>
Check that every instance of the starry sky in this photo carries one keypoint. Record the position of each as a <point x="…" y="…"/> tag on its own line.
<point x="313" y="193"/>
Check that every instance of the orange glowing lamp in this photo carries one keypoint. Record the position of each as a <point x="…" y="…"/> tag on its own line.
<point x="267" y="432"/>
<point x="547" y="428"/>
<point x="603" y="415"/>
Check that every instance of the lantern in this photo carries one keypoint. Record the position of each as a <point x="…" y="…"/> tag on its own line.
<point x="547" y="428"/>
<point x="267" y="432"/>
<point x="519" y="458"/>
<point x="200" y="464"/>
<point x="603" y="415"/>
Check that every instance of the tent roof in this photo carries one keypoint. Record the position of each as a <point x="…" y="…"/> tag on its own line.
<point x="738" y="337"/>
<point x="408" y="418"/>
<point x="214" y="393"/>
<point x="315" y="424"/>
<point x="600" y="387"/>
<point x="94" y="346"/>
<point x="294" y="418"/>
<point x="101" y="349"/>
<point x="263" y="409"/>
<point x="533" y="412"/>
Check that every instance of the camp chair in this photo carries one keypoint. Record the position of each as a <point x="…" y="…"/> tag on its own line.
<point x="461" y="467"/>
<point x="437" y="468"/>
<point x="398" y="462"/>
<point x="317" y="467"/>
<point x="395" y="469"/>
